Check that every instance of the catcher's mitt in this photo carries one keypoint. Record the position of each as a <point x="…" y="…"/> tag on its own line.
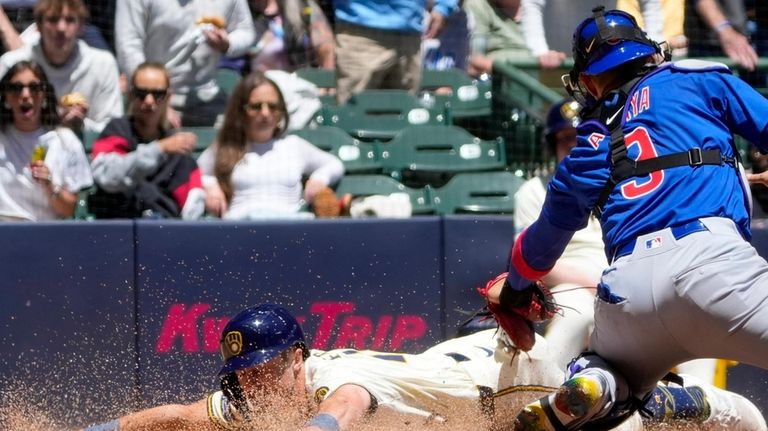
<point x="518" y="310"/>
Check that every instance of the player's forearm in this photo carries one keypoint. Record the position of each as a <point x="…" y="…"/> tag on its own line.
<point x="171" y="417"/>
<point x="346" y="406"/>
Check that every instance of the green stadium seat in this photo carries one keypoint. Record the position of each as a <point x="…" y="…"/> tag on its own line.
<point x="324" y="79"/>
<point x="357" y="156"/>
<point x="433" y="154"/>
<point x="478" y="193"/>
<point x="205" y="137"/>
<point x="467" y="96"/>
<point x="367" y="185"/>
<point x="82" y="212"/>
<point x="380" y="114"/>
<point x="89" y="137"/>
<point x="227" y="79"/>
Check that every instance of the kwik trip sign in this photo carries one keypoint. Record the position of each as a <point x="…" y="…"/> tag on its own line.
<point x="191" y="328"/>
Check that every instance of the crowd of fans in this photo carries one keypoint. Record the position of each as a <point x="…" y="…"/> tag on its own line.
<point x="134" y="72"/>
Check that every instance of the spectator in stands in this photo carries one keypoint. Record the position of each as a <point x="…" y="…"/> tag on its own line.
<point x="253" y="170"/>
<point x="672" y="22"/>
<point x="85" y="79"/>
<point x="378" y="43"/>
<point x="14" y="36"/>
<point x="292" y="34"/>
<point x="189" y="38"/>
<point x="560" y="17"/>
<point x="726" y="31"/>
<point x="42" y="165"/>
<point x="450" y="48"/>
<point x="140" y="166"/>
<point x="495" y="33"/>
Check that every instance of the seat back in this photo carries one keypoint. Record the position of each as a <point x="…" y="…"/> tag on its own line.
<point x="380" y="114"/>
<point x="435" y="153"/>
<point x="478" y="193"/>
<point x="357" y="156"/>
<point x="89" y="137"/>
<point x="205" y="137"/>
<point x="227" y="78"/>
<point x="461" y="94"/>
<point x="324" y="79"/>
<point x="367" y="185"/>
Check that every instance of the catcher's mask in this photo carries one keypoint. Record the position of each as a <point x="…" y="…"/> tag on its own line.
<point x="257" y="335"/>
<point x="603" y="42"/>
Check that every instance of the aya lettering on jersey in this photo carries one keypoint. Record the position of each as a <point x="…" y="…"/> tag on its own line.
<point x="640" y="101"/>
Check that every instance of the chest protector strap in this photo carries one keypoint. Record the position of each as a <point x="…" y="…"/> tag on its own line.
<point x="623" y="168"/>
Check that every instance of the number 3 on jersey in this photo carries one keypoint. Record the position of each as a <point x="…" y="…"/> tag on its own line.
<point x="635" y="189"/>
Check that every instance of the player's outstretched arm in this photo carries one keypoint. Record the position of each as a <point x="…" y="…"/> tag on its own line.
<point x="342" y="409"/>
<point x="169" y="417"/>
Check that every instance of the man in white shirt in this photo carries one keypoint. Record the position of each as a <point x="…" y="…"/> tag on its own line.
<point x="72" y="67"/>
<point x="188" y="38"/>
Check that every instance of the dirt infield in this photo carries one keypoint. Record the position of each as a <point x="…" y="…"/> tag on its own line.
<point x="18" y="415"/>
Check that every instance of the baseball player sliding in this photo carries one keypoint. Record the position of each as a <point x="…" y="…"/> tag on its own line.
<point x="266" y="362"/>
<point x="655" y="160"/>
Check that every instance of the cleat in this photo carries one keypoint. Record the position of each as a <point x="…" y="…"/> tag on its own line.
<point x="579" y="397"/>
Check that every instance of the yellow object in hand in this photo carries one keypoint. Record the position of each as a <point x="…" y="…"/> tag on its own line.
<point x="38" y="154"/>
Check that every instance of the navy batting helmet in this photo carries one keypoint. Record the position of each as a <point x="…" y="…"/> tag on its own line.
<point x="257" y="335"/>
<point x="609" y="39"/>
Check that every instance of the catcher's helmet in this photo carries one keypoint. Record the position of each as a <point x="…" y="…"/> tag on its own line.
<point x="561" y="115"/>
<point x="607" y="40"/>
<point x="257" y="335"/>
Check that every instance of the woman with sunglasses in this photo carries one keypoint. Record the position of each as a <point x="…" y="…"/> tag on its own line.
<point x="42" y="165"/>
<point x="253" y="170"/>
<point x="141" y="167"/>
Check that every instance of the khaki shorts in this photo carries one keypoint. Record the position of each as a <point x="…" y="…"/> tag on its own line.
<point x="369" y="58"/>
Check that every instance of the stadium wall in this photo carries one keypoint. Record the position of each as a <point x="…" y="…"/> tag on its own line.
<point x="104" y="317"/>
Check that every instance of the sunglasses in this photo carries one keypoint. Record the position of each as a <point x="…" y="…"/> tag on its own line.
<point x="16" y="88"/>
<point x="258" y="106"/>
<point x="142" y="93"/>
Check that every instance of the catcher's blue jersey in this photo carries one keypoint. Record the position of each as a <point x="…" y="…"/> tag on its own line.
<point x="673" y="109"/>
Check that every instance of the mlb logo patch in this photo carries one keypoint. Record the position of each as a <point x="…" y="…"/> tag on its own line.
<point x="652" y="243"/>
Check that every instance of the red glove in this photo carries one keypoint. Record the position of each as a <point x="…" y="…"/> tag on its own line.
<point x="518" y="310"/>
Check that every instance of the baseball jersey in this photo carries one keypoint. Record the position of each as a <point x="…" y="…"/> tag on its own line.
<point x="675" y="108"/>
<point x="440" y="383"/>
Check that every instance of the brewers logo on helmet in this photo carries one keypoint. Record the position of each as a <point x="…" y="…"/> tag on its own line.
<point x="257" y="335"/>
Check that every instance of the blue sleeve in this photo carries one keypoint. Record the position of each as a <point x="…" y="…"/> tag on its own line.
<point x="745" y="110"/>
<point x="572" y="193"/>
<point x="535" y="252"/>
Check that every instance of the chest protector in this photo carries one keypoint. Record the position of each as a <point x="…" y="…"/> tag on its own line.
<point x="622" y="167"/>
